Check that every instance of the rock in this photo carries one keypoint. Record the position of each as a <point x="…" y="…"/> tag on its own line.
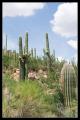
<point x="45" y="76"/>
<point x="40" y="71"/>
<point x="17" y="71"/>
<point x="15" y="76"/>
<point x="5" y="91"/>
<point x="37" y="77"/>
<point x="31" y="75"/>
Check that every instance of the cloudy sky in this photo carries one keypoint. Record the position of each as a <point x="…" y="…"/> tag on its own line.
<point x="57" y="18"/>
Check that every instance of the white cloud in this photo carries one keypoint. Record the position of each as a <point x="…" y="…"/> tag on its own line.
<point x="73" y="43"/>
<point x="21" y="9"/>
<point x="64" y="20"/>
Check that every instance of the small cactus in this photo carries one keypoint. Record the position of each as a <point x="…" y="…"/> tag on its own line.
<point x="69" y="83"/>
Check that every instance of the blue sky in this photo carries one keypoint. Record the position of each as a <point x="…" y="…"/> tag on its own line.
<point x="39" y="19"/>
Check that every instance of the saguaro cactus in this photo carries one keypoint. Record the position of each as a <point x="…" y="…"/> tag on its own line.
<point x="24" y="50"/>
<point x="6" y="43"/>
<point x="47" y="52"/>
<point x="26" y="53"/>
<point x="22" y="61"/>
<point x="47" y="44"/>
<point x="54" y="54"/>
<point x="69" y="82"/>
<point x="32" y="52"/>
<point x="35" y="53"/>
<point x="14" y="57"/>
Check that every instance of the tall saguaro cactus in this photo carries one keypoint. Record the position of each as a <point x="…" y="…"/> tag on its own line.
<point x="47" y="43"/>
<point x="47" y="51"/>
<point x="26" y="53"/>
<point x="21" y="60"/>
<point x="69" y="82"/>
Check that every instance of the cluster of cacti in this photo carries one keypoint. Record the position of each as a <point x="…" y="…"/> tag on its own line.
<point x="47" y="53"/>
<point x="23" y="58"/>
<point x="69" y="81"/>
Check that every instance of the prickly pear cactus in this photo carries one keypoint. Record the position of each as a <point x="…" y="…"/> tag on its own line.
<point x="68" y="81"/>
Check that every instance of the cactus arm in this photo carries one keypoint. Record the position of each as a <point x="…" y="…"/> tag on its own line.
<point x="26" y="43"/>
<point x="20" y="46"/>
<point x="35" y="53"/>
<point x="32" y="52"/>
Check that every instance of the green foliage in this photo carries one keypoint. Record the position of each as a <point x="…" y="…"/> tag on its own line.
<point x="5" y="60"/>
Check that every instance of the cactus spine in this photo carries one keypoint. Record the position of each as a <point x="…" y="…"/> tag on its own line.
<point x="69" y="83"/>
<point x="21" y="60"/>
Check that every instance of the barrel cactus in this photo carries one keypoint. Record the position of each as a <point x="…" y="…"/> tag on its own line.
<point x="68" y="81"/>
